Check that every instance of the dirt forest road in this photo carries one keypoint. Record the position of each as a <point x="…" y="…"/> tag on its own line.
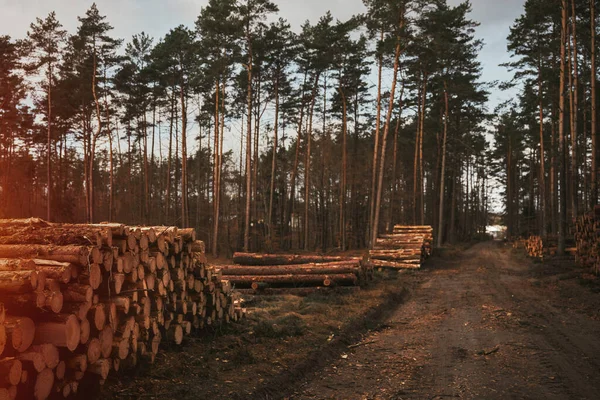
<point x="480" y="326"/>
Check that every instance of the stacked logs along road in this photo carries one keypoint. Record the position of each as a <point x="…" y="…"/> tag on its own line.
<point x="538" y="247"/>
<point x="407" y="247"/>
<point x="79" y="301"/>
<point x="294" y="274"/>
<point x="587" y="239"/>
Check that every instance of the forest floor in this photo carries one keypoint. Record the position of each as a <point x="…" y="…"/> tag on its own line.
<point x="484" y="322"/>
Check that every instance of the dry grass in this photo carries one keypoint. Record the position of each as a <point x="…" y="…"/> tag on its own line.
<point x="279" y="333"/>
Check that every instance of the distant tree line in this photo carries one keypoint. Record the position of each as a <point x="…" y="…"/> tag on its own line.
<point x="344" y="128"/>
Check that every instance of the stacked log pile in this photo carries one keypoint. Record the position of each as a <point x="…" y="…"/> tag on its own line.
<point x="294" y="274"/>
<point x="534" y="246"/>
<point x="80" y="301"/>
<point x="587" y="239"/>
<point x="407" y="247"/>
<point x="538" y="247"/>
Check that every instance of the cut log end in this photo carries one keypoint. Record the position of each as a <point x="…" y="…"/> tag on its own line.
<point x="106" y="341"/>
<point x="61" y="368"/>
<point x="43" y="384"/>
<point x="94" y="350"/>
<point x="73" y="332"/>
<point x="33" y="359"/>
<point x="100" y="367"/>
<point x="84" y="327"/>
<point x="50" y="354"/>
<point x="23" y="334"/>
<point x="10" y="372"/>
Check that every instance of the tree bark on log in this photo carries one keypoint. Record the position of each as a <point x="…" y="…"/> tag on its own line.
<point x="72" y="254"/>
<point x="351" y="267"/>
<point x="286" y="259"/>
<point x="63" y="331"/>
<point x="58" y="236"/>
<point x="395" y="265"/>
<point x="303" y="291"/>
<point x="341" y="279"/>
<point x="18" y="281"/>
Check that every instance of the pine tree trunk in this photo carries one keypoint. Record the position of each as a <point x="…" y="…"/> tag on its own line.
<point x="452" y="231"/>
<point x="248" y="151"/>
<point x="240" y="202"/>
<point x="110" y="154"/>
<point x="215" y="177"/>
<point x="421" y="171"/>
<point x="95" y="136"/>
<point x="176" y="180"/>
<point x="215" y="249"/>
<point x="561" y="135"/>
<point x="342" y="219"/>
<point x="256" y="157"/>
<point x="184" y="187"/>
<point x="151" y="169"/>
<point x="386" y="129"/>
<point x="594" y="172"/>
<point x="49" y="148"/>
<point x="574" y="112"/>
<point x="440" y="232"/>
<point x="416" y="159"/>
<point x="394" y="186"/>
<point x="509" y="189"/>
<point x="290" y="208"/>
<point x="170" y="160"/>
<point x="86" y="181"/>
<point x="542" y="163"/>
<point x="307" y="161"/>
<point x="324" y="191"/>
<point x="274" y="161"/>
<point x="553" y="178"/>
<point x="376" y="148"/>
<point x="146" y="177"/>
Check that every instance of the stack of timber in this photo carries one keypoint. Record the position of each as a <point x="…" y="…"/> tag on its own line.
<point x="406" y="247"/>
<point x="255" y="273"/>
<point x="79" y="301"/>
<point x="587" y="239"/>
<point x="538" y="247"/>
<point x="534" y="246"/>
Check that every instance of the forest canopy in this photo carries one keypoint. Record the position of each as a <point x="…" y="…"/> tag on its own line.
<point x="344" y="128"/>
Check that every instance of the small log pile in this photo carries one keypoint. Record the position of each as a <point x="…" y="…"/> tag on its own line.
<point x="587" y="239"/>
<point x="255" y="273"/>
<point x="407" y="247"/>
<point x="78" y="301"/>
<point x="534" y="246"/>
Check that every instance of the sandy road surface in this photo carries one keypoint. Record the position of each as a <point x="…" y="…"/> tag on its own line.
<point x="474" y="327"/>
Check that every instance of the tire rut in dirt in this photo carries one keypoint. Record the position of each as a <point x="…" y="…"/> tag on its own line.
<point x="566" y="355"/>
<point x="284" y="384"/>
